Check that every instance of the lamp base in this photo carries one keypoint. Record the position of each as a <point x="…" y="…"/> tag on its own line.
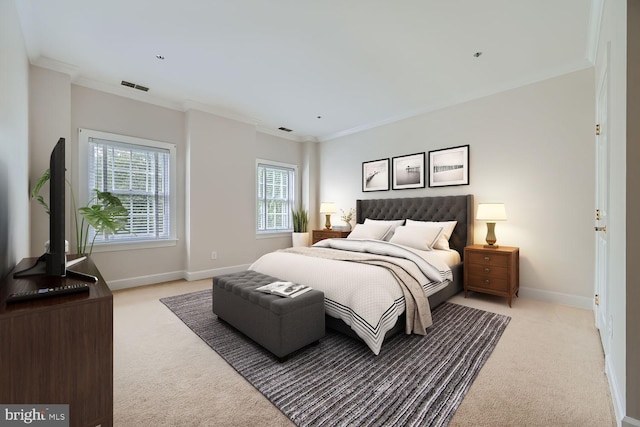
<point x="327" y="224"/>
<point x="491" y="246"/>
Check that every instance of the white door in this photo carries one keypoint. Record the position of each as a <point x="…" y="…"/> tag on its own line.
<point x="602" y="211"/>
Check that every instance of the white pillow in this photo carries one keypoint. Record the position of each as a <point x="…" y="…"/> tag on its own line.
<point x="393" y="224"/>
<point x="447" y="231"/>
<point x="419" y="237"/>
<point x="369" y="231"/>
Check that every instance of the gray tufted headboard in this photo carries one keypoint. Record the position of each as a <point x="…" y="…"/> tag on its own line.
<point x="441" y="208"/>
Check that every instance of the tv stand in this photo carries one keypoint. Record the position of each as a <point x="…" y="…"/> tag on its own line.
<point x="39" y="268"/>
<point x="59" y="350"/>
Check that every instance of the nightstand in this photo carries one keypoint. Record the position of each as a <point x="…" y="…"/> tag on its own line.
<point x="492" y="271"/>
<point x="328" y="234"/>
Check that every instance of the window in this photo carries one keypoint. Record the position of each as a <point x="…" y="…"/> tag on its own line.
<point x="141" y="173"/>
<point x="276" y="184"/>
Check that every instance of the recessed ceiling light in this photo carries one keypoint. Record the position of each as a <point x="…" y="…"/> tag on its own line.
<point x="477" y="54"/>
<point x="160" y="57"/>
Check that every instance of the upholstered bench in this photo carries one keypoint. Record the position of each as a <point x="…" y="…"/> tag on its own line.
<point x="281" y="325"/>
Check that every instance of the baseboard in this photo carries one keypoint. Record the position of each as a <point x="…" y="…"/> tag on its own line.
<point x="557" y="297"/>
<point x="205" y="274"/>
<point x="173" y="275"/>
<point x="630" y="422"/>
<point x="145" y="280"/>
<point x="617" y="395"/>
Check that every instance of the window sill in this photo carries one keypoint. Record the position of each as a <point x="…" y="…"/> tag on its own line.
<point x="274" y="235"/>
<point x="130" y="246"/>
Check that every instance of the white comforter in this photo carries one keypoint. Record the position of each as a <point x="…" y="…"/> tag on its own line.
<point x="366" y="297"/>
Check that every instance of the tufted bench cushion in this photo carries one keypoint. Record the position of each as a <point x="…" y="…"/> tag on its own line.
<point x="281" y="325"/>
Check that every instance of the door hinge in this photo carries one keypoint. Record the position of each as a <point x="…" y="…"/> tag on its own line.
<point x="597" y="299"/>
<point x="597" y="214"/>
<point x="597" y="128"/>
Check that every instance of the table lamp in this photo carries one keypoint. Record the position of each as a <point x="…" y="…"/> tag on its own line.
<point x="328" y="208"/>
<point x="491" y="212"/>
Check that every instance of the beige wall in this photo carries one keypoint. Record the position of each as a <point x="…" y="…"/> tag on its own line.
<point x="215" y="178"/>
<point x="220" y="181"/>
<point x="531" y="148"/>
<point x="91" y="109"/>
<point x="14" y="138"/>
<point x="49" y="118"/>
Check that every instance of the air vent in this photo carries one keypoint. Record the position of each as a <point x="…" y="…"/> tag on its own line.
<point x="134" y="86"/>
<point x="284" y="129"/>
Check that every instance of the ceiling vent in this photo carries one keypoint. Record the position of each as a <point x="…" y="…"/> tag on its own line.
<point x="134" y="86"/>
<point x="284" y="129"/>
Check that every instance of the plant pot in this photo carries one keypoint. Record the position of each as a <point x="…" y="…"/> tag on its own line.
<point x="300" y="239"/>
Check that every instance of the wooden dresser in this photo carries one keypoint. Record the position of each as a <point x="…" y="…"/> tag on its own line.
<point x="318" y="235"/>
<point x="492" y="271"/>
<point x="59" y="350"/>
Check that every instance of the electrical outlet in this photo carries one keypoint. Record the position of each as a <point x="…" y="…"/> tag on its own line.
<point x="214" y="255"/>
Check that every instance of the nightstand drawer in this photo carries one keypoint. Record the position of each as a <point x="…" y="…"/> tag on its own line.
<point x="484" y="258"/>
<point x="485" y="282"/>
<point x="488" y="271"/>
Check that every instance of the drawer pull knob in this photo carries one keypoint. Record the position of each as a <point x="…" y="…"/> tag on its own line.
<point x="487" y="258"/>
<point x="486" y="270"/>
<point x="486" y="281"/>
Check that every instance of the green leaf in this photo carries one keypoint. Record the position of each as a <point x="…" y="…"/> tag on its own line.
<point x="35" y="193"/>
<point x="300" y="220"/>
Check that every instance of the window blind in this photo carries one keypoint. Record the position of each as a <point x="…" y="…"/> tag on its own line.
<point x="275" y="197"/>
<point x="139" y="176"/>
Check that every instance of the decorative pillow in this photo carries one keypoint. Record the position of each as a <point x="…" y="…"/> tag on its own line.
<point x="393" y="224"/>
<point x="369" y="231"/>
<point x="419" y="237"/>
<point x="447" y="231"/>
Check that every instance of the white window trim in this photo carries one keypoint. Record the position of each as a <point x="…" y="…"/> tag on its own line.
<point x="278" y="233"/>
<point x="82" y="190"/>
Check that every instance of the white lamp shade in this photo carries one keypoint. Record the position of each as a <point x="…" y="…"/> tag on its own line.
<point x="491" y="212"/>
<point x="328" y="208"/>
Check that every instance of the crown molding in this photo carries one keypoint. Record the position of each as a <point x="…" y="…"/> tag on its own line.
<point x="125" y="92"/>
<point x="481" y="93"/>
<point x="55" y="65"/>
<point x="285" y="135"/>
<point x="218" y="111"/>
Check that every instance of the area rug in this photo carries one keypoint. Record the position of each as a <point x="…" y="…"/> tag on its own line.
<point x="414" y="381"/>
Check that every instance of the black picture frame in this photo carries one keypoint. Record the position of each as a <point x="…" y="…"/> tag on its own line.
<point x="449" y="166"/>
<point x="375" y="175"/>
<point x="408" y="171"/>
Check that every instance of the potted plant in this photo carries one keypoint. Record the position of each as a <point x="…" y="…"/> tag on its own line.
<point x="104" y="213"/>
<point x="347" y="217"/>
<point x="300" y="236"/>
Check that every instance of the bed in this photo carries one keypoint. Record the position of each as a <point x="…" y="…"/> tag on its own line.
<point x="364" y="297"/>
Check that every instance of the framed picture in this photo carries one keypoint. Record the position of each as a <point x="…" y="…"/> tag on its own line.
<point x="408" y="171"/>
<point x="449" y="166"/>
<point x="375" y="175"/>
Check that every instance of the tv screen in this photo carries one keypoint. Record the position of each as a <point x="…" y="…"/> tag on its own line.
<point x="53" y="262"/>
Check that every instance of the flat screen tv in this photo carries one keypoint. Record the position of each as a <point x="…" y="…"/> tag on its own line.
<point x="54" y="261"/>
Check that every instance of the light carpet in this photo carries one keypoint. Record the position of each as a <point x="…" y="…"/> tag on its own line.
<point x="414" y="381"/>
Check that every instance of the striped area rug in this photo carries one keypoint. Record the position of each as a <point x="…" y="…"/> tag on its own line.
<point x="415" y="381"/>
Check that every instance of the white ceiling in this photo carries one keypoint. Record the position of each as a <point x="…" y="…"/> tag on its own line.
<point x="355" y="63"/>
